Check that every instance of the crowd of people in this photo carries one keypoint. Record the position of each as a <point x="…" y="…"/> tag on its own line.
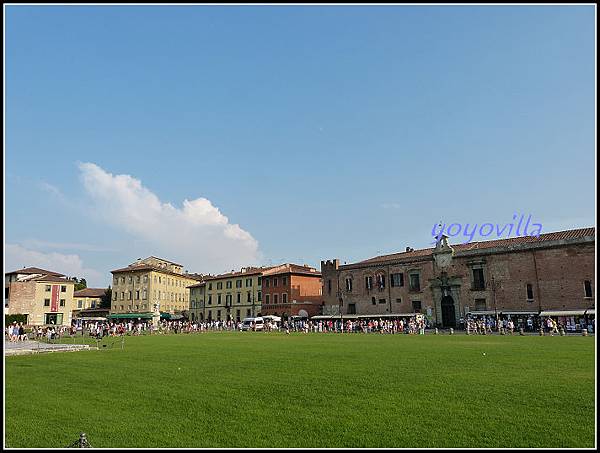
<point x="16" y="332"/>
<point x="414" y="325"/>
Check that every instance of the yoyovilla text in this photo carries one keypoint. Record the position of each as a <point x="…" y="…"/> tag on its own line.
<point x="486" y="230"/>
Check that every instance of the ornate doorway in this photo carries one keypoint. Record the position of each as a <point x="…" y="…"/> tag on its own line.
<point x="448" y="313"/>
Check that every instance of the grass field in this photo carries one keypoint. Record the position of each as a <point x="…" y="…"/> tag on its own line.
<point x="318" y="390"/>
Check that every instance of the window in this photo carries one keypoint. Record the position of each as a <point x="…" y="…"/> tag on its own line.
<point x="248" y="299"/>
<point x="380" y="281"/>
<point x="129" y="295"/>
<point x="478" y="280"/>
<point x="382" y="301"/>
<point x="239" y="297"/>
<point x="588" y="288"/>
<point x="416" y="304"/>
<point x="284" y="298"/>
<point x="53" y="318"/>
<point x="349" y="284"/>
<point x="210" y="299"/>
<point x="130" y="279"/>
<point x="48" y="287"/>
<point x="275" y="296"/>
<point x="529" y="291"/>
<point x="46" y="302"/>
<point x="329" y="286"/>
<point x="259" y="296"/>
<point x="238" y="283"/>
<point x="267" y="297"/>
<point x="63" y="289"/>
<point x="369" y="283"/>
<point x="218" y="299"/>
<point x="220" y="285"/>
<point x="397" y="280"/>
<point x="123" y="279"/>
<point x="137" y="295"/>
<point x="115" y="295"/>
<point x="228" y="283"/>
<point x="275" y="282"/>
<point x="373" y="301"/>
<point x="62" y="302"/>
<point x="248" y="313"/>
<point x="398" y="300"/>
<point x="267" y="282"/>
<point x="415" y="284"/>
<point x="210" y="286"/>
<point x="219" y="314"/>
<point x="480" y="304"/>
<point x="145" y="295"/>
<point x="228" y="300"/>
<point x="259" y="281"/>
<point x="115" y="280"/>
<point x="138" y="279"/>
<point x="145" y="279"/>
<point x="284" y="281"/>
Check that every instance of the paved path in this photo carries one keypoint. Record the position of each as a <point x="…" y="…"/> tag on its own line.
<point x="35" y="347"/>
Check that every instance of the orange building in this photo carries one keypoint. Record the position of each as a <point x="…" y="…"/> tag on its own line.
<point x="291" y="290"/>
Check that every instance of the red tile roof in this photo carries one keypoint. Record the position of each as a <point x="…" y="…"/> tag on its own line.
<point x="52" y="278"/>
<point x="290" y="268"/>
<point x="90" y="292"/>
<point x="546" y="237"/>
<point x="148" y="267"/>
<point x="34" y="270"/>
<point x="248" y="271"/>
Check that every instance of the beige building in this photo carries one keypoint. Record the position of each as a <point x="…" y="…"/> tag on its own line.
<point x="235" y="296"/>
<point x="139" y="286"/>
<point x="45" y="297"/>
<point x="88" y="298"/>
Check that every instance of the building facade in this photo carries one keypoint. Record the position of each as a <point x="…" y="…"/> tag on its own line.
<point x="45" y="297"/>
<point x="88" y="298"/>
<point x="291" y="290"/>
<point x="139" y="286"/>
<point x="523" y="275"/>
<point x="196" y="310"/>
<point x="232" y="296"/>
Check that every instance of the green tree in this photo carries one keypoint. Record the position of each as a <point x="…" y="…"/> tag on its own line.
<point x="79" y="283"/>
<point x="106" y="298"/>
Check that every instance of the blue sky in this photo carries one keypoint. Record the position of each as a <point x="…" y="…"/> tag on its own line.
<point x="309" y="132"/>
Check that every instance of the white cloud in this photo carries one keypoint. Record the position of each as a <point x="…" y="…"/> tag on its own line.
<point x="196" y="235"/>
<point x="37" y="244"/>
<point x="17" y="257"/>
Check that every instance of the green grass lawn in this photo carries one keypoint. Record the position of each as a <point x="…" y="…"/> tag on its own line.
<point x="317" y="390"/>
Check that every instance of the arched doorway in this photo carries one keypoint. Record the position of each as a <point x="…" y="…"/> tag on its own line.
<point x="448" y="313"/>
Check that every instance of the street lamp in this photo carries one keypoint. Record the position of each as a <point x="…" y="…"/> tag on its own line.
<point x="340" y="295"/>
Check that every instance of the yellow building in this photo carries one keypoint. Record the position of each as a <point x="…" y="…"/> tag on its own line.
<point x="45" y="297"/>
<point x="196" y="309"/>
<point x="88" y="298"/>
<point x="139" y="286"/>
<point x="231" y="296"/>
